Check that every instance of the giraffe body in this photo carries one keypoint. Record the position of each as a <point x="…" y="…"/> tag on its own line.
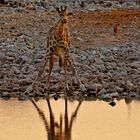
<point x="58" y="41"/>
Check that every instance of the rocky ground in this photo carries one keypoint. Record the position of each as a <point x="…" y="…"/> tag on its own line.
<point x="108" y="64"/>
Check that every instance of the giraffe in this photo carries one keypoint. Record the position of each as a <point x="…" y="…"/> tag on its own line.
<point x="58" y="44"/>
<point x="117" y="28"/>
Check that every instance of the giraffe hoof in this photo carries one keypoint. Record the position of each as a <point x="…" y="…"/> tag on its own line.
<point x="82" y="88"/>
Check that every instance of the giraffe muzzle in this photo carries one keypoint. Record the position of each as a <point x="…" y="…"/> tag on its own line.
<point x="64" y="20"/>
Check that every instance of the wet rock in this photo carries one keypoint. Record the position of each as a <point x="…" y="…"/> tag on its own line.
<point x="112" y="103"/>
<point x="22" y="98"/>
<point x="109" y="96"/>
<point x="56" y="97"/>
<point x="114" y="94"/>
<point x="91" y="94"/>
<point x="130" y="86"/>
<point x="6" y="95"/>
<point x="102" y="91"/>
<point x="128" y="100"/>
<point x="105" y="97"/>
<point x="125" y="94"/>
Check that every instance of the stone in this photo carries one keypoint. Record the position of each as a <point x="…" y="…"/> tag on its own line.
<point x="118" y="89"/>
<point x="91" y="7"/>
<point x="99" y="61"/>
<point x="130" y="86"/>
<point x="98" y="87"/>
<point x="6" y="95"/>
<point x="135" y="64"/>
<point x="79" y="39"/>
<point x="102" y="91"/>
<point x="109" y="96"/>
<point x="22" y="98"/>
<point x="125" y="94"/>
<point x="112" y="103"/>
<point x="56" y="87"/>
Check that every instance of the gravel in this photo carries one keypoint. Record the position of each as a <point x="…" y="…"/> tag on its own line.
<point x="82" y="5"/>
<point x="107" y="72"/>
<point x="119" y="74"/>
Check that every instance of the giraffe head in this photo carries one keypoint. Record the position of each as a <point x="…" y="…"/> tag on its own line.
<point x="63" y="12"/>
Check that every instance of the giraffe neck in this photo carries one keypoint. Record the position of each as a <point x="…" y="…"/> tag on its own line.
<point x="61" y="28"/>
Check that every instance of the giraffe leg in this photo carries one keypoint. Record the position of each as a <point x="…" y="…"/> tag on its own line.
<point x="41" y="70"/>
<point x="82" y="87"/>
<point x="33" y="87"/>
<point x="51" y="63"/>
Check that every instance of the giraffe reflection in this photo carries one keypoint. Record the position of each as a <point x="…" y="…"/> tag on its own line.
<point x="55" y="130"/>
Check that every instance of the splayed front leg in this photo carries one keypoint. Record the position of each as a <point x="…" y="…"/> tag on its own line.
<point x="51" y="63"/>
<point x="33" y="87"/>
<point x="82" y="87"/>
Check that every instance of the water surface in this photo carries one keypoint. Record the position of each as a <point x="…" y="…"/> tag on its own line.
<point x="65" y="120"/>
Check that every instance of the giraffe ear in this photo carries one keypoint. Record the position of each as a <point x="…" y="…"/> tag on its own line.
<point x="57" y="9"/>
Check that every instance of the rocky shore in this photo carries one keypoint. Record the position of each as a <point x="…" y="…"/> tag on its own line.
<point x="108" y="70"/>
<point x="79" y="5"/>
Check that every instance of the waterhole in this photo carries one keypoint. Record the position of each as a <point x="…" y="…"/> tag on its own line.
<point x="69" y="120"/>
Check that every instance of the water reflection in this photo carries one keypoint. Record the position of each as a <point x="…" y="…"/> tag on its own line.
<point x="67" y="120"/>
<point x="55" y="130"/>
<point x="128" y="100"/>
